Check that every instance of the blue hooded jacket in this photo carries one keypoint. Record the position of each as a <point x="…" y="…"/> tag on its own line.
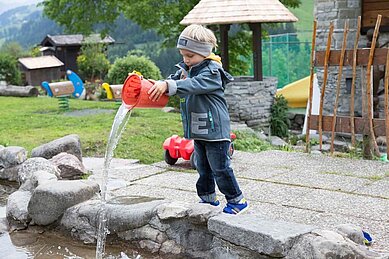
<point x="203" y="107"/>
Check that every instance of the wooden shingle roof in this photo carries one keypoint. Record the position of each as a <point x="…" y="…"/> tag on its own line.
<point x="74" y="40"/>
<point x="40" y="62"/>
<point x="238" y="11"/>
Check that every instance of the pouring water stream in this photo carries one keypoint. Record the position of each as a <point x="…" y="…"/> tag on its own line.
<point x="118" y="126"/>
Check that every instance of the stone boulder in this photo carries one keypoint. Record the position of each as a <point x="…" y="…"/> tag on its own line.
<point x="69" y="144"/>
<point x="82" y="219"/>
<point x="70" y="166"/>
<point x="12" y="156"/>
<point x="49" y="201"/>
<point x="35" y="164"/>
<point x="272" y="238"/>
<point x="17" y="204"/>
<point x="10" y="174"/>
<point x="323" y="244"/>
<point x="37" y="178"/>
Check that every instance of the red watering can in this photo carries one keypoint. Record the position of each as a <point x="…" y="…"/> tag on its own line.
<point x="134" y="93"/>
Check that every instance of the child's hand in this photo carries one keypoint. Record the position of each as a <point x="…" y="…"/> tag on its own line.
<point x="157" y="90"/>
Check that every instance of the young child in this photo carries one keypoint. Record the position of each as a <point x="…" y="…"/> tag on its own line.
<point x="200" y="83"/>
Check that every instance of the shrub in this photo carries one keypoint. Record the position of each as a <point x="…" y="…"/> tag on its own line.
<point x="9" y="71"/>
<point x="93" y="63"/>
<point x="122" y="66"/>
<point x="279" y="122"/>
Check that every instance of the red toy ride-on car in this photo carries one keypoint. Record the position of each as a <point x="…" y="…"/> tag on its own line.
<point x="176" y="147"/>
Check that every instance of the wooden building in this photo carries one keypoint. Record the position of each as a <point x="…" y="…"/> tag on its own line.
<point x="38" y="69"/>
<point x="67" y="47"/>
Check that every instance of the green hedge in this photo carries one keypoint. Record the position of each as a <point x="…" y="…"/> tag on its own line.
<point x="122" y="66"/>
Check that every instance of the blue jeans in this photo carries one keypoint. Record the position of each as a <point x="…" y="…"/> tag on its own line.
<point x="213" y="164"/>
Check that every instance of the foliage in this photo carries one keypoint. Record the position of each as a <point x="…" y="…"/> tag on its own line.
<point x="13" y="49"/>
<point x="35" y="51"/>
<point x="93" y="63"/>
<point x="247" y="141"/>
<point x="9" y="71"/>
<point x="161" y="16"/>
<point x="279" y="122"/>
<point x="122" y="66"/>
<point x="288" y="61"/>
<point x="241" y="51"/>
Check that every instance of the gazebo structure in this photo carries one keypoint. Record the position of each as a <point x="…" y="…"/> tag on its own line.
<point x="227" y="12"/>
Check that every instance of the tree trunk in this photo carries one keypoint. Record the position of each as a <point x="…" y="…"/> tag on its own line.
<point x="18" y="91"/>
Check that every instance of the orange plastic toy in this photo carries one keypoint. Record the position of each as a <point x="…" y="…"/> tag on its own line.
<point x="134" y="93"/>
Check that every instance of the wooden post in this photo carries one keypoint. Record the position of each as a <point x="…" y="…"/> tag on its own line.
<point x="352" y="97"/>
<point x="224" y="28"/>
<point x="368" y="88"/>
<point x="327" y="55"/>
<point x="386" y="104"/>
<point x="341" y="61"/>
<point x="312" y="72"/>
<point x="257" y="51"/>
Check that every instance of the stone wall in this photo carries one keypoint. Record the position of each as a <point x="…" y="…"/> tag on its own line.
<point x="250" y="101"/>
<point x="338" y="11"/>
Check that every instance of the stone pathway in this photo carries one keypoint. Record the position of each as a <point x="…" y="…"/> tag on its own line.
<point x="290" y="186"/>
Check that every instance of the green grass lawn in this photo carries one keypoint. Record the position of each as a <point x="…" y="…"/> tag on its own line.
<point x="30" y="122"/>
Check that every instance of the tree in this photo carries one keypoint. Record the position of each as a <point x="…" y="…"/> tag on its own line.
<point x="82" y="16"/>
<point x="93" y="63"/>
<point x="9" y="71"/>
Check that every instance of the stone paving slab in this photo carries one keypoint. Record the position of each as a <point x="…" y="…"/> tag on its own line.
<point x="308" y="189"/>
<point x="376" y="188"/>
<point x="322" y="181"/>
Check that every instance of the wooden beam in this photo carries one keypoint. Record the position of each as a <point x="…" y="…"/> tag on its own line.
<point x="257" y="51"/>
<point x="325" y="76"/>
<point x="343" y="124"/>
<point x="386" y="86"/>
<point x="362" y="60"/>
<point x="312" y="72"/>
<point x="352" y="96"/>
<point x="369" y="88"/>
<point x="224" y="28"/>
<point x="338" y="81"/>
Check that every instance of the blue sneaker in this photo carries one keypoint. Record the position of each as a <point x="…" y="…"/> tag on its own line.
<point x="368" y="239"/>
<point x="236" y="208"/>
<point x="213" y="203"/>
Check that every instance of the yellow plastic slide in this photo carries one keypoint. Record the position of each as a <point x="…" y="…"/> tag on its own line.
<point x="297" y="93"/>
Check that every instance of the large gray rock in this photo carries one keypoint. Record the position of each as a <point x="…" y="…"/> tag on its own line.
<point x="37" y="178"/>
<point x="352" y="232"/>
<point x="10" y="173"/>
<point x="273" y="238"/>
<point x="70" y="166"/>
<point x="35" y="164"/>
<point x="69" y="144"/>
<point x="17" y="204"/>
<point x="49" y="201"/>
<point x="12" y="156"/>
<point x="82" y="220"/>
<point x="323" y="244"/>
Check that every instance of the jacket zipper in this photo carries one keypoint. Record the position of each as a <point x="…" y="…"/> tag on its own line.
<point x="187" y="118"/>
<point x="211" y="119"/>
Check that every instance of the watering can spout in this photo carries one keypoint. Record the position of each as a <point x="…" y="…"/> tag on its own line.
<point x="134" y="93"/>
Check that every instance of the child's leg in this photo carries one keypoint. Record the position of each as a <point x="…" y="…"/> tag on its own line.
<point x="219" y="160"/>
<point x="206" y="183"/>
